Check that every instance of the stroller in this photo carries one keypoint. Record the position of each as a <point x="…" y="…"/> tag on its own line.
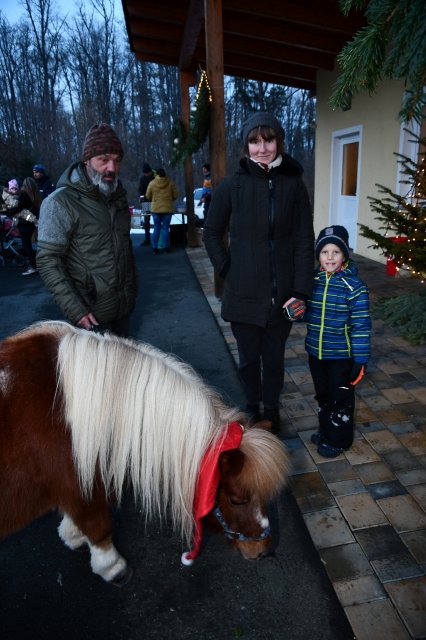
<point x="10" y="243"/>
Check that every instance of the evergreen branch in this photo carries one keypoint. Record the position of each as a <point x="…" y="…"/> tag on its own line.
<point x="392" y="45"/>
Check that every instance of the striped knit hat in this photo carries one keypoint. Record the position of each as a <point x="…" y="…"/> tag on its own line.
<point x="333" y="235"/>
<point x="101" y="139"/>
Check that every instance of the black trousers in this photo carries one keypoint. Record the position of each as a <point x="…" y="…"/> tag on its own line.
<point x="26" y="230"/>
<point x="147" y="225"/>
<point x="336" y="400"/>
<point x="261" y="356"/>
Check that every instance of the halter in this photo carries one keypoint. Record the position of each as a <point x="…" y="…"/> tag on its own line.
<point x="236" y="535"/>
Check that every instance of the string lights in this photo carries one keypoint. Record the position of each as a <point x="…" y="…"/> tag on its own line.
<point x="189" y="141"/>
<point x="403" y="219"/>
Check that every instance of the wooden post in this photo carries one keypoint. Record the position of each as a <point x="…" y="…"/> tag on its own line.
<point x="194" y="240"/>
<point x="214" y="58"/>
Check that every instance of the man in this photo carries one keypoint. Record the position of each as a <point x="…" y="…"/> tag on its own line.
<point x="147" y="175"/>
<point x="84" y="252"/>
<point x="43" y="180"/>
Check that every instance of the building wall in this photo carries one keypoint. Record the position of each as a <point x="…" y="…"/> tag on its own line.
<point x="381" y="130"/>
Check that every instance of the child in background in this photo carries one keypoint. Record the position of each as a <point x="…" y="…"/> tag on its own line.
<point x="206" y="194"/>
<point x="338" y="339"/>
<point x="10" y="195"/>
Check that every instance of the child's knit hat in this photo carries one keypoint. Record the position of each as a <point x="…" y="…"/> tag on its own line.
<point x="333" y="235"/>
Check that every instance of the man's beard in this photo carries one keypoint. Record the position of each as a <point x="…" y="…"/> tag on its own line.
<point x="106" y="188"/>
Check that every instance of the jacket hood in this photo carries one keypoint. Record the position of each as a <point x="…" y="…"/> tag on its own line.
<point x="289" y="167"/>
<point x="75" y="177"/>
<point x="162" y="182"/>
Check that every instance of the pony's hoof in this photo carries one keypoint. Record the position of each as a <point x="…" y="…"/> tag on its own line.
<point x="123" y="578"/>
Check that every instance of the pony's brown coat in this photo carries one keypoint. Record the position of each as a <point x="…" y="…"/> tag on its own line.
<point x="37" y="470"/>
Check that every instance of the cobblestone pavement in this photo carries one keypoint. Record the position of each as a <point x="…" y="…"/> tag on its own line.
<point x="366" y="509"/>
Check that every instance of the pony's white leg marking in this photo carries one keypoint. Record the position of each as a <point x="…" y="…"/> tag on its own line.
<point x="107" y="563"/>
<point x="71" y="534"/>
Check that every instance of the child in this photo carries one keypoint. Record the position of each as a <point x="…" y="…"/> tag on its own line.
<point x="10" y="195"/>
<point x="338" y="339"/>
<point x="206" y="194"/>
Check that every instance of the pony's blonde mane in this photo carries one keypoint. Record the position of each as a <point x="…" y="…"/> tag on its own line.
<point x="266" y="465"/>
<point x="137" y="414"/>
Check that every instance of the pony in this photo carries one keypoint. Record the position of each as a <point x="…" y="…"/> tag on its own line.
<point x="86" y="416"/>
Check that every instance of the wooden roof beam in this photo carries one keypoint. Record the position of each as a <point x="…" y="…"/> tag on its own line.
<point x="193" y="26"/>
<point x="276" y="51"/>
<point x="156" y="30"/>
<point x="309" y="14"/>
<point x="264" y="76"/>
<point x="235" y="24"/>
<point x="156" y="11"/>
<point x="273" y="67"/>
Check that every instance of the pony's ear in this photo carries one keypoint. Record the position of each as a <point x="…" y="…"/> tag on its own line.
<point x="231" y="462"/>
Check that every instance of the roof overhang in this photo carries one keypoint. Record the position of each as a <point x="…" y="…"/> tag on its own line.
<point x="282" y="42"/>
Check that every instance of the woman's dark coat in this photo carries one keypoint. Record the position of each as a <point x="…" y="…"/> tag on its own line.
<point x="270" y="256"/>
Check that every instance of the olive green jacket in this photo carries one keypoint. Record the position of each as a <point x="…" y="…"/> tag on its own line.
<point x="85" y="254"/>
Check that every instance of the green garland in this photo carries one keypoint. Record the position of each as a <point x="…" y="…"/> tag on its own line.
<point x="188" y="141"/>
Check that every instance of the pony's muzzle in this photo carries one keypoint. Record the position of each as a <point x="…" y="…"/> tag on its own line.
<point x="253" y="550"/>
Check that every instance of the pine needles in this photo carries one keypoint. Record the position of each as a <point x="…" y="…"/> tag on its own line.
<point x="406" y="313"/>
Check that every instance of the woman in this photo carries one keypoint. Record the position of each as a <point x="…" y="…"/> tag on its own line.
<point x="27" y="211"/>
<point x="162" y="192"/>
<point x="267" y="266"/>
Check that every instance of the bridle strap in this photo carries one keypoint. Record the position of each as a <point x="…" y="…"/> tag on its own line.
<point x="236" y="535"/>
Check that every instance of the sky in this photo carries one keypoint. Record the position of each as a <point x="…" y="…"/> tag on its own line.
<point x="13" y="11"/>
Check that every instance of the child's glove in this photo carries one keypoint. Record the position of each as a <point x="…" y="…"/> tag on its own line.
<point x="294" y="309"/>
<point x="357" y="373"/>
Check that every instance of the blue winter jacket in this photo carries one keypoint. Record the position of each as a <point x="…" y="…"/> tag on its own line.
<point x="337" y="317"/>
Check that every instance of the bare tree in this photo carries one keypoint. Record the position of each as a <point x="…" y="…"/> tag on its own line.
<point x="57" y="80"/>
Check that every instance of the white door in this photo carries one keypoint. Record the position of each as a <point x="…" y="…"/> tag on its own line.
<point x="345" y="182"/>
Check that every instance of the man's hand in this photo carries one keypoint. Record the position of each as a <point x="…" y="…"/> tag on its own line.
<point x="88" y="322"/>
<point x="294" y="309"/>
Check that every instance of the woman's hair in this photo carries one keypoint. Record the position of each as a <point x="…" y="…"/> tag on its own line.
<point x="161" y="172"/>
<point x="267" y="133"/>
<point x="31" y="187"/>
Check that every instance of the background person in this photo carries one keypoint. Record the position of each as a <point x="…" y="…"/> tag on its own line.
<point x="206" y="194"/>
<point x="162" y="192"/>
<point x="269" y="260"/>
<point x="147" y="176"/>
<point x="43" y="180"/>
<point x="27" y="211"/>
<point x="337" y="340"/>
<point x="85" y="254"/>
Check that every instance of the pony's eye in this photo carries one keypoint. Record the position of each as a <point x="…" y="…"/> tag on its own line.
<point x="238" y="502"/>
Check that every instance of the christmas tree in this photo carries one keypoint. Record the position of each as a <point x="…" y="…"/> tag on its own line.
<point x="402" y="218"/>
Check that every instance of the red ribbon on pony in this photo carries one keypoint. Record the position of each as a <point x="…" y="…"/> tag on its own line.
<point x="207" y="484"/>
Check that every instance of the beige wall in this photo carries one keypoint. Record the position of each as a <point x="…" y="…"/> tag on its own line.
<point x="378" y="117"/>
